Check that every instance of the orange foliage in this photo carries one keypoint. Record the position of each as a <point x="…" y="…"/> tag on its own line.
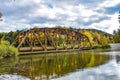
<point x="98" y="37"/>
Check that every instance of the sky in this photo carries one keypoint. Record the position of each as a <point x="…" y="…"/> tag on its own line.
<point x="25" y="14"/>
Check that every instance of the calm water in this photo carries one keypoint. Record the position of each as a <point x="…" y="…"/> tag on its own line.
<point x="77" y="65"/>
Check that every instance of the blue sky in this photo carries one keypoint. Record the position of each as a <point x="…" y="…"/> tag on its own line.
<point x="25" y="14"/>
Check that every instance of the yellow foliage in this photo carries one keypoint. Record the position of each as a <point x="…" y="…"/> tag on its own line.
<point x="92" y="60"/>
<point x="88" y="34"/>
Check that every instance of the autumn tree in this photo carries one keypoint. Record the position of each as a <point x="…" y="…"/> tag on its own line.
<point x="97" y="37"/>
<point x="88" y="34"/>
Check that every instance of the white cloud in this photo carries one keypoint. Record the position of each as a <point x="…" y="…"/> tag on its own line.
<point x="44" y="11"/>
<point x="37" y="1"/>
<point x="107" y="25"/>
<point x="49" y="25"/>
<point x="109" y="3"/>
<point x="5" y="27"/>
<point x="27" y="13"/>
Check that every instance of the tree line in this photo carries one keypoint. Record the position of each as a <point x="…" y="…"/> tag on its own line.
<point x="96" y="38"/>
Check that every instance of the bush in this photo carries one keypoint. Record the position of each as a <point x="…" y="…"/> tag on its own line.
<point x="12" y="50"/>
<point x="3" y="51"/>
<point x="7" y="50"/>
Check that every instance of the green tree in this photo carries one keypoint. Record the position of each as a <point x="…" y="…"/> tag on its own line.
<point x="104" y="41"/>
<point x="116" y="36"/>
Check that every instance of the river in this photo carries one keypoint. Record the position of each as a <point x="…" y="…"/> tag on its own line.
<point x="76" y="65"/>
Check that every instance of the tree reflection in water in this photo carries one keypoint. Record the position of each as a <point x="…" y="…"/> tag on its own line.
<point x="118" y="58"/>
<point x="48" y="66"/>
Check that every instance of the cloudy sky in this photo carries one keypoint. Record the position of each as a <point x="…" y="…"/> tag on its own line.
<point x="22" y="14"/>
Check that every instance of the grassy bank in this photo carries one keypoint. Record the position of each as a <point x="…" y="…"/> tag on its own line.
<point x="101" y="46"/>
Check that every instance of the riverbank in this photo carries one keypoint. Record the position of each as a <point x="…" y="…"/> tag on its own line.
<point x="101" y="46"/>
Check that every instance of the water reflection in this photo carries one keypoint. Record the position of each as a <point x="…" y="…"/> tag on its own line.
<point x="118" y="58"/>
<point x="50" y="66"/>
<point x="108" y="71"/>
<point x="7" y="64"/>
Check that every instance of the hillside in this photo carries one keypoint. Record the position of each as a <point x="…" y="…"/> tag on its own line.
<point x="98" y="31"/>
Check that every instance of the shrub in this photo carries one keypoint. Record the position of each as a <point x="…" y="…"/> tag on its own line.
<point x="12" y="50"/>
<point x="3" y="51"/>
<point x="7" y="50"/>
